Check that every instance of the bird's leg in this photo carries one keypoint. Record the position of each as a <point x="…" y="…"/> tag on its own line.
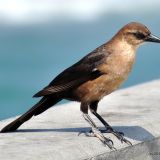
<point x="109" y="129"/>
<point x="95" y="131"/>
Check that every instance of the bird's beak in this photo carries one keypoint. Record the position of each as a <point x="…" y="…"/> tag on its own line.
<point x="152" y="38"/>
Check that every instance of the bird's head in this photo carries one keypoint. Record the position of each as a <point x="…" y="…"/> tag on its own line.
<point x="135" y="34"/>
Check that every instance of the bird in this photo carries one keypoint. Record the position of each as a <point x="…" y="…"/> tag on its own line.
<point x="96" y="75"/>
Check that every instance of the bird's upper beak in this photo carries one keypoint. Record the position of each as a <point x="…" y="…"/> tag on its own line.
<point x="152" y="38"/>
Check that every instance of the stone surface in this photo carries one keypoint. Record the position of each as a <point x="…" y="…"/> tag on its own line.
<point x="53" y="134"/>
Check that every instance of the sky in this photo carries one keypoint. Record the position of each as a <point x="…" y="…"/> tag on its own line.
<point x="20" y="12"/>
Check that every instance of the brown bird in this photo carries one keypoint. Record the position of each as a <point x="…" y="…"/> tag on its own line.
<point x="96" y="75"/>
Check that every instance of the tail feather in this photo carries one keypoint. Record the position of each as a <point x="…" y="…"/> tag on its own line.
<point x="41" y="106"/>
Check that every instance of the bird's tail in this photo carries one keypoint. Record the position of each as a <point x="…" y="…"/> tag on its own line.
<point x="41" y="106"/>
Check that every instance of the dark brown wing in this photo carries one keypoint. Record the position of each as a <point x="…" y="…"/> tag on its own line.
<point x="82" y="71"/>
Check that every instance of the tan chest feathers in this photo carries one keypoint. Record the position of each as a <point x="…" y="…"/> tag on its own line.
<point x="118" y="64"/>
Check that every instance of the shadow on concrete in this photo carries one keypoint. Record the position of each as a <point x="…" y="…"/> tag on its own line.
<point x="134" y="132"/>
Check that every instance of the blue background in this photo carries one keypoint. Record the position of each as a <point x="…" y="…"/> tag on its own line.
<point x="32" y="55"/>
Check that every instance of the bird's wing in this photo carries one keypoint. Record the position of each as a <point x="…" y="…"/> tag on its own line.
<point x="84" y="70"/>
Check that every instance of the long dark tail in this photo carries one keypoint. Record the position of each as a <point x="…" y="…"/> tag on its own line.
<point x="41" y="106"/>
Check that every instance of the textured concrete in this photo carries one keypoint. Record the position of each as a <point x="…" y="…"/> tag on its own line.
<point x="53" y="134"/>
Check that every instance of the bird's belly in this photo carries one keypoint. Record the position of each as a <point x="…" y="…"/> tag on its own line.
<point x="98" y="88"/>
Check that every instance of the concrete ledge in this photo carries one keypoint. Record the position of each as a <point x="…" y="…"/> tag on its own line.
<point x="53" y="134"/>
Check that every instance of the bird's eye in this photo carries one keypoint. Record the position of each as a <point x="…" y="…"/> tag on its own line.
<point x="139" y="35"/>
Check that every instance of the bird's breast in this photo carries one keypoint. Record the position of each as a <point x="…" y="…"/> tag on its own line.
<point x="120" y="64"/>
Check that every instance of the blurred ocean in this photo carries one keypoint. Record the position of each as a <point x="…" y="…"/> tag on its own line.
<point x="32" y="55"/>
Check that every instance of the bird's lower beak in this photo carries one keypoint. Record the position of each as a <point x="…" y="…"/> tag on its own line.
<point x="152" y="38"/>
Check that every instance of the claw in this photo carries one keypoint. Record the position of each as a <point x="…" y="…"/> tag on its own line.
<point x="119" y="135"/>
<point x="106" y="141"/>
<point x="95" y="132"/>
<point x="109" y="143"/>
<point x="127" y="141"/>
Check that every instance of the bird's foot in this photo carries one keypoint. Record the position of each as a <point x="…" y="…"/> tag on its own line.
<point x="95" y="132"/>
<point x="119" y="135"/>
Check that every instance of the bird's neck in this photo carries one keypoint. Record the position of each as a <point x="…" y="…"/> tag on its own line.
<point x="122" y="47"/>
